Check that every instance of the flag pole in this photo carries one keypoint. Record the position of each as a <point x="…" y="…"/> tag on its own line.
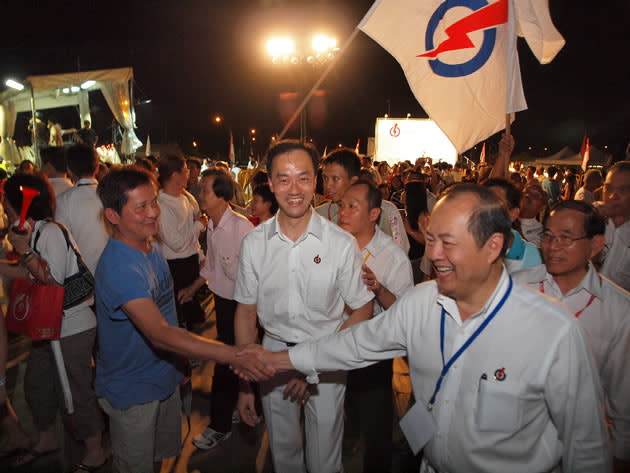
<point x="319" y="81"/>
<point x="511" y="51"/>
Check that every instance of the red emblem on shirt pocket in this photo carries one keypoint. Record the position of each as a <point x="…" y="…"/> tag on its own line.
<point x="317" y="259"/>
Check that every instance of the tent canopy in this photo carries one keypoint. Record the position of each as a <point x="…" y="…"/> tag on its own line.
<point x="69" y="89"/>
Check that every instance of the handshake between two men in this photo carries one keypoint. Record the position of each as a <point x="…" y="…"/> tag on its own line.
<point x="254" y="363"/>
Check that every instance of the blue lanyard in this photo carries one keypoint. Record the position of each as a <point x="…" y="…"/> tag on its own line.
<point x="464" y="347"/>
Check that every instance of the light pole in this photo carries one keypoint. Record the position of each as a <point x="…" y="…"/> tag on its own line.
<point x="13" y="84"/>
<point x="284" y="52"/>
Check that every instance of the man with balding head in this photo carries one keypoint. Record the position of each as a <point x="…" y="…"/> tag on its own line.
<point x="502" y="376"/>
<point x="592" y="180"/>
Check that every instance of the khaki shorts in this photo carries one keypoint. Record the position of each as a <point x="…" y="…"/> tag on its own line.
<point x="144" y="433"/>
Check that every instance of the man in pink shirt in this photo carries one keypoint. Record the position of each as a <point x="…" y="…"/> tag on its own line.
<point x="226" y="230"/>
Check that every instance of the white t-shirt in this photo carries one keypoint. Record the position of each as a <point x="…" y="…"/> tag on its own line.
<point x="179" y="231"/>
<point x="62" y="262"/>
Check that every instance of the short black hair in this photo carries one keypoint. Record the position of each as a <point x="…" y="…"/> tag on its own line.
<point x="512" y="194"/>
<point x="168" y="165"/>
<point x="113" y="188"/>
<point x="347" y="159"/>
<point x="372" y="195"/>
<point x="42" y="205"/>
<point x="82" y="160"/>
<point x="264" y="191"/>
<point x="222" y="183"/>
<point x="286" y="146"/>
<point x="55" y="156"/>
<point x="194" y="161"/>
<point x="489" y="216"/>
<point x="259" y="178"/>
<point x="144" y="163"/>
<point x="415" y="201"/>
<point x="594" y="223"/>
<point x="552" y="171"/>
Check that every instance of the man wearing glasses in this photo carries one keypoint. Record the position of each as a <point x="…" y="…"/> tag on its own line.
<point x="573" y="234"/>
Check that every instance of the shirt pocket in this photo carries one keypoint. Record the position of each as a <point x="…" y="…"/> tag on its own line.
<point x="499" y="406"/>
<point x="320" y="281"/>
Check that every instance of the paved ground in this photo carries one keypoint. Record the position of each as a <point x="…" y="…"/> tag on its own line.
<point x="246" y="452"/>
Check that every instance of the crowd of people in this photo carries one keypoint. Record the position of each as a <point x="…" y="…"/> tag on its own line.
<point x="504" y="289"/>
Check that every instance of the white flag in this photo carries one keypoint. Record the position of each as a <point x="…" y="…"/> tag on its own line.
<point x="460" y="58"/>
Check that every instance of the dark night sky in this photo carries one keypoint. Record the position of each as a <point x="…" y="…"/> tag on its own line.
<point x="195" y="59"/>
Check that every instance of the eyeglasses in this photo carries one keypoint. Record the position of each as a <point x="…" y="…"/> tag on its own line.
<point x="563" y="240"/>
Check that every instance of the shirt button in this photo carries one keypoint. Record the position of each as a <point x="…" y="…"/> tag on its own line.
<point x="446" y="402"/>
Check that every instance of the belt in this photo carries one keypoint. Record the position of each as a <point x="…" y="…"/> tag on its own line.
<point x="289" y="344"/>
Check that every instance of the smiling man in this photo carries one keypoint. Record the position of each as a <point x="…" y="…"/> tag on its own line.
<point x="502" y="376"/>
<point x="136" y="366"/>
<point x="341" y="168"/>
<point x="296" y="271"/>
<point x="573" y="235"/>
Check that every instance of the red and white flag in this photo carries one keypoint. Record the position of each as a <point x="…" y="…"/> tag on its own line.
<point x="482" y="156"/>
<point x="586" y="155"/>
<point x="232" y="154"/>
<point x="460" y="57"/>
<point x="356" y="148"/>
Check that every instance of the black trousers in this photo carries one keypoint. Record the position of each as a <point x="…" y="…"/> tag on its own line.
<point x="369" y="406"/>
<point x="184" y="272"/>
<point x="224" y="393"/>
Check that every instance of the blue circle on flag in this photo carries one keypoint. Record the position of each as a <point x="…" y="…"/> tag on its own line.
<point x="459" y="70"/>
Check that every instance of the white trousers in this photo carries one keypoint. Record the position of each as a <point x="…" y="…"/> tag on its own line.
<point x="323" y="419"/>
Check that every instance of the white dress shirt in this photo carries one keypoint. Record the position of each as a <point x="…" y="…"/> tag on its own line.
<point x="546" y="409"/>
<point x="299" y="288"/>
<point x="605" y="319"/>
<point x="224" y="246"/>
<point x="616" y="254"/>
<point x="81" y="211"/>
<point x="179" y="231"/>
<point x="390" y="265"/>
<point x="584" y="194"/>
<point x="390" y="222"/>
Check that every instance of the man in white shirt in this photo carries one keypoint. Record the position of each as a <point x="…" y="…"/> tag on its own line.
<point x="533" y="201"/>
<point x="54" y="166"/>
<point x="515" y="387"/>
<point x="296" y="271"/>
<point x="573" y="234"/>
<point x="341" y="168"/>
<point x="80" y="209"/>
<point x="387" y="273"/>
<point x="592" y="180"/>
<point x="616" y="252"/>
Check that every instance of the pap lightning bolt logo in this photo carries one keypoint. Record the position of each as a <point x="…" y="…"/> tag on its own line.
<point x="485" y="17"/>
<point x="491" y="15"/>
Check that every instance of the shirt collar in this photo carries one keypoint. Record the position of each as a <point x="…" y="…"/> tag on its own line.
<point x="376" y="243"/>
<point x="590" y="283"/>
<point x="223" y="221"/>
<point x="84" y="181"/>
<point x="450" y="306"/>
<point x="315" y="226"/>
<point x="517" y="250"/>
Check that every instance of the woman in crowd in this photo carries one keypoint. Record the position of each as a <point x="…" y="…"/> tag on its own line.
<point x="49" y="254"/>
<point x="264" y="204"/>
<point x="180" y="225"/>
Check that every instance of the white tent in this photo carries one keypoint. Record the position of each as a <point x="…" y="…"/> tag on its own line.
<point x="62" y="90"/>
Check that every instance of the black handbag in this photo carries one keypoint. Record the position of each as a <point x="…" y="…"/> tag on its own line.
<point x="80" y="285"/>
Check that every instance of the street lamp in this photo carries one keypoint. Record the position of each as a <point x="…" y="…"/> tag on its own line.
<point x="284" y="51"/>
<point x="218" y="119"/>
<point x="14" y="84"/>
